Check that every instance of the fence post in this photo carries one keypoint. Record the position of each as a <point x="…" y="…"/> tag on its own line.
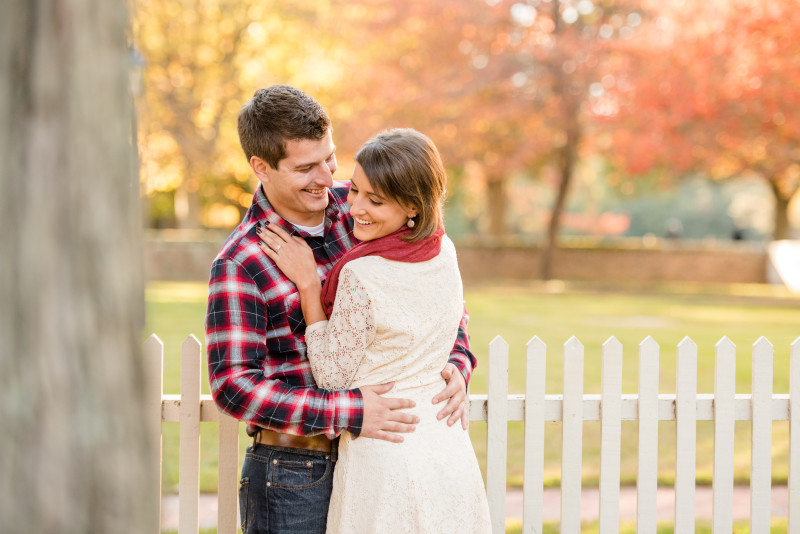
<point x="647" y="468"/>
<point x="189" y="470"/>
<point x="724" y="416"/>
<point x="761" y="437"/>
<point x="572" y="440"/>
<point x="153" y="353"/>
<point x="610" y="435"/>
<point x="497" y="433"/>
<point x="533" y="475"/>
<point x="686" y="436"/>
<point x="227" y="485"/>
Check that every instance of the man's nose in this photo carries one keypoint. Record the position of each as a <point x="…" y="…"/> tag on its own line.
<point x="325" y="175"/>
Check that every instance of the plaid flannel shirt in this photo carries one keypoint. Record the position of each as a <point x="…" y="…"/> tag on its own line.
<point x="255" y="332"/>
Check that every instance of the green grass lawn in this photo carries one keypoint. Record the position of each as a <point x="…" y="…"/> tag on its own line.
<point x="629" y="527"/>
<point x="554" y="312"/>
<point x="625" y="527"/>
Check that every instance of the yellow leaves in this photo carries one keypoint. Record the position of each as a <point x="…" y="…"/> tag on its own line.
<point x="235" y="194"/>
<point x="161" y="177"/>
<point x="222" y="216"/>
<point x="206" y="54"/>
<point x="256" y="31"/>
<point x="320" y="70"/>
<point x="180" y="75"/>
<point x="207" y="113"/>
<point x="161" y="161"/>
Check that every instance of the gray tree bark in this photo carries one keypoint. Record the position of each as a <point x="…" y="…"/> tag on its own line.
<point x="75" y="454"/>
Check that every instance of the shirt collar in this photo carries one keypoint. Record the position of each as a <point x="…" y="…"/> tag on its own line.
<point x="262" y="211"/>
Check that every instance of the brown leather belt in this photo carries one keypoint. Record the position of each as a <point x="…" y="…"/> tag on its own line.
<point x="309" y="443"/>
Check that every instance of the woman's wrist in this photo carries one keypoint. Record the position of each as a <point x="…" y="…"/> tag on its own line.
<point x="311" y="305"/>
<point x="310" y="288"/>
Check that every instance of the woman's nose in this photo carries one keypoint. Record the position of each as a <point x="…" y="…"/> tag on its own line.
<point x="357" y="205"/>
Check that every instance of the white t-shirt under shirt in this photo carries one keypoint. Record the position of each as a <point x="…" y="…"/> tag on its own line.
<point x="315" y="231"/>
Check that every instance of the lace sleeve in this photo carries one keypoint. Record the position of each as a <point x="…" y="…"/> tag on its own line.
<point x="335" y="347"/>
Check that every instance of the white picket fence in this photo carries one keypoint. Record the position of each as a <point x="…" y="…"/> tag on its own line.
<point x="572" y="408"/>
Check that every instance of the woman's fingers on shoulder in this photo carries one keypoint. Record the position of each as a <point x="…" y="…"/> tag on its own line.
<point x="264" y="247"/>
<point x="278" y="231"/>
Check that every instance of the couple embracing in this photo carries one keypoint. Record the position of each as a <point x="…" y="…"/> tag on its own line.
<point x="336" y="330"/>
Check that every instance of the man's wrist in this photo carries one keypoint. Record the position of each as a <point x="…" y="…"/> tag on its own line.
<point x="355" y="421"/>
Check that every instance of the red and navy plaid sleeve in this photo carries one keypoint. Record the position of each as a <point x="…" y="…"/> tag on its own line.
<point x="462" y="356"/>
<point x="252" y="384"/>
<point x="255" y="335"/>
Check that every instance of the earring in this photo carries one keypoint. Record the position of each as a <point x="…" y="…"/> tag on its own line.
<point x="411" y="223"/>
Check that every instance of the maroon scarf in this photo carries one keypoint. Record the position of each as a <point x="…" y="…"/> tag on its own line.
<point x="391" y="247"/>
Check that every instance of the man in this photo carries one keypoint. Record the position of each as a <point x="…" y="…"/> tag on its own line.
<point x="258" y="370"/>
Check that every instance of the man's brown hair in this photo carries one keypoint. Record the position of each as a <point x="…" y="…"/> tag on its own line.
<point x="275" y="115"/>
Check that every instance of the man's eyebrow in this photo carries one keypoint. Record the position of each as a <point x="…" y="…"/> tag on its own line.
<point x="312" y="163"/>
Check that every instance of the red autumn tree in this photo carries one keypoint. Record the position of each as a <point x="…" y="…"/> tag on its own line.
<point x="715" y="89"/>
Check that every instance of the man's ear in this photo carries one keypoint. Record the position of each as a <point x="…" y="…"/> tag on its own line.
<point x="260" y="168"/>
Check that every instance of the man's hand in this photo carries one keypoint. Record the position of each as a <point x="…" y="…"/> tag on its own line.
<point x="456" y="392"/>
<point x="381" y="418"/>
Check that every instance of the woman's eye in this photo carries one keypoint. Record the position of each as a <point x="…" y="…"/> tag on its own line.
<point x="375" y="202"/>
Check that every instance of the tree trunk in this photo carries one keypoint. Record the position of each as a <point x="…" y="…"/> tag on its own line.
<point x="496" y="201"/>
<point x="187" y="201"/>
<point x="74" y="442"/>
<point x="566" y="169"/>
<point x="781" y="212"/>
<point x="567" y="154"/>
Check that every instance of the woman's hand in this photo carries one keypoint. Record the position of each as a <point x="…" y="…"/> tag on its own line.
<point x="291" y="254"/>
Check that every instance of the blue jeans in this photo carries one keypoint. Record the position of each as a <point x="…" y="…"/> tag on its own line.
<point x="285" y="491"/>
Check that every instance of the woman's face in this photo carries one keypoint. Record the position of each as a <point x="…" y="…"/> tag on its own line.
<point x="374" y="216"/>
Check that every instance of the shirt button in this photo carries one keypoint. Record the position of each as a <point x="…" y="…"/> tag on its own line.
<point x="308" y="464"/>
<point x="274" y="462"/>
<point x="269" y="484"/>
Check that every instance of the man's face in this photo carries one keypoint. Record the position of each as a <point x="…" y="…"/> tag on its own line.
<point x="298" y="188"/>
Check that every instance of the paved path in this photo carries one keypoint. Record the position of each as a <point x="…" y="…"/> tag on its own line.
<point x="552" y="505"/>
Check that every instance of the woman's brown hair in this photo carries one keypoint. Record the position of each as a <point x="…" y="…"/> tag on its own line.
<point x="404" y="165"/>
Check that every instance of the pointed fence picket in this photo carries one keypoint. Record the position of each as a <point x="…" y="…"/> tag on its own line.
<point x="571" y="408"/>
<point x="572" y="436"/>
<point x="153" y="353"/>
<point x="610" y="435"/>
<point x="497" y="433"/>
<point x="761" y="437"/>
<point x="724" y="420"/>
<point x="647" y="414"/>
<point x="685" y="436"/>
<point x="533" y="494"/>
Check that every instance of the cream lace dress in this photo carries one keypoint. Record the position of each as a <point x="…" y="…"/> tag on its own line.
<point x="397" y="321"/>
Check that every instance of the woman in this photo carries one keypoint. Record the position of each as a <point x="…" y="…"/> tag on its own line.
<point x="394" y="302"/>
